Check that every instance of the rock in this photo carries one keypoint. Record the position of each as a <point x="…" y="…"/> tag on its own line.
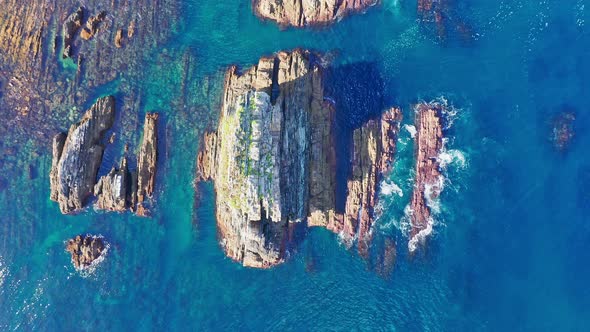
<point x="387" y="259"/>
<point x="119" y="38"/>
<point x="374" y="146"/>
<point x="273" y="162"/>
<point x="74" y="174"/>
<point x="86" y="250"/>
<point x="301" y="13"/>
<point x="146" y="163"/>
<point x="70" y="28"/>
<point x="563" y="129"/>
<point x="111" y="189"/>
<point x="92" y="25"/>
<point x="428" y="178"/>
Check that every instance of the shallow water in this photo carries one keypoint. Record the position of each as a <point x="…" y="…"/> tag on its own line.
<point x="510" y="245"/>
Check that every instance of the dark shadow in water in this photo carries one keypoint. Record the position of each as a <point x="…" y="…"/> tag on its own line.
<point x="358" y="93"/>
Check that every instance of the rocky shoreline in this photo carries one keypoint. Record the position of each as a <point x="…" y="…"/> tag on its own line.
<point x="301" y="13"/>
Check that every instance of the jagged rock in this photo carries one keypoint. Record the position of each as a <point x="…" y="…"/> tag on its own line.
<point x="300" y="13"/>
<point x="563" y="129"/>
<point x="111" y="189"/>
<point x="146" y="163"/>
<point x="58" y="145"/>
<point x="85" y="250"/>
<point x="74" y="175"/>
<point x="428" y="178"/>
<point x="92" y="25"/>
<point x="374" y="146"/>
<point x="70" y="28"/>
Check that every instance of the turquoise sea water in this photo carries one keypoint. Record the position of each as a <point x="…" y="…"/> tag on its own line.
<point x="510" y="249"/>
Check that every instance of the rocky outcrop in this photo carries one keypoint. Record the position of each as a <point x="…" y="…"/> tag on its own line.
<point x="301" y="13"/>
<point x="70" y="28"/>
<point x="146" y="163"/>
<point x="562" y="130"/>
<point x="273" y="162"/>
<point x="428" y="178"/>
<point x="374" y="146"/>
<point x="73" y="175"/>
<point x="86" y="250"/>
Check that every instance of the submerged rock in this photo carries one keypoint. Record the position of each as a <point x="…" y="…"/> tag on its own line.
<point x="300" y="13"/>
<point x="273" y="162"/>
<point x="445" y="19"/>
<point x="86" y="250"/>
<point x="563" y="129"/>
<point x="146" y="163"/>
<point x="76" y="158"/>
<point x="428" y="178"/>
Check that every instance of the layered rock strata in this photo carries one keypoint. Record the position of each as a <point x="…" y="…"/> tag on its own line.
<point x="77" y="156"/>
<point x="273" y="162"/>
<point x="86" y="250"/>
<point x="301" y="13"/>
<point x="428" y="178"/>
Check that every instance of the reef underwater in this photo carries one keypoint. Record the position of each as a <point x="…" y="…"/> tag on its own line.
<point x="374" y="165"/>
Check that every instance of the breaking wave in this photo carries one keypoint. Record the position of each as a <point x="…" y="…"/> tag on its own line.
<point x="389" y="187"/>
<point x="3" y="272"/>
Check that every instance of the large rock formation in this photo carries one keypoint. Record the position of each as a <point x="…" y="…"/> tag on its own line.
<point x="300" y="13"/>
<point x="73" y="175"/>
<point x="112" y="190"/>
<point x="273" y="161"/>
<point x="429" y="180"/>
<point x="146" y="163"/>
<point x="70" y="28"/>
<point x="86" y="250"/>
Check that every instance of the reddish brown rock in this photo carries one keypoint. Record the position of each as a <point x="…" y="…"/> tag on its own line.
<point x="111" y="189"/>
<point x="428" y="177"/>
<point x="146" y="163"/>
<point x="86" y="250"/>
<point x="119" y="38"/>
<point x="301" y="13"/>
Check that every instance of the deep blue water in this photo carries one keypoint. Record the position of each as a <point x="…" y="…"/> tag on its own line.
<point x="511" y="245"/>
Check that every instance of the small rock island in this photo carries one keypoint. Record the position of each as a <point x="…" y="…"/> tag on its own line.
<point x="86" y="250"/>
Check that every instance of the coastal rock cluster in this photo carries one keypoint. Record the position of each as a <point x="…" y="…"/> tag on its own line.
<point x="272" y="160"/>
<point x="78" y="155"/>
<point x="86" y="250"/>
<point x="301" y="13"/>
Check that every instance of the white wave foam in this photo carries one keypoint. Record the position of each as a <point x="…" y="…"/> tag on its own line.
<point x="3" y="272"/>
<point x="390" y="187"/>
<point x="452" y="157"/>
<point x="411" y="129"/>
<point x="421" y="236"/>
